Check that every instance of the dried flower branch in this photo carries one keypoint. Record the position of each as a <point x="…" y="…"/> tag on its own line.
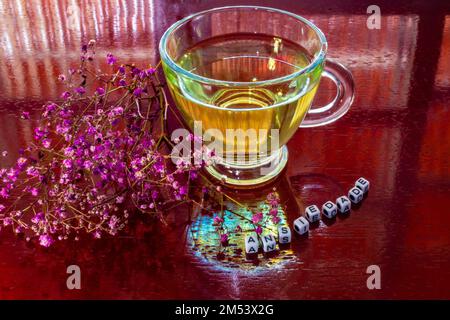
<point x="100" y="155"/>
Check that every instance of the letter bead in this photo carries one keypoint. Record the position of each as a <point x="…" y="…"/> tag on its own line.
<point x="355" y="195"/>
<point x="362" y="184"/>
<point x="343" y="204"/>
<point x="312" y="213"/>
<point x="268" y="242"/>
<point x="251" y="244"/>
<point x="284" y="234"/>
<point x="329" y="209"/>
<point x="301" y="225"/>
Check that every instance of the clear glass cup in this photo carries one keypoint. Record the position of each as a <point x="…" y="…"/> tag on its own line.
<point x="247" y="77"/>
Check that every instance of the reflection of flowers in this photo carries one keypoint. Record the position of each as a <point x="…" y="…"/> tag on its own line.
<point x="259" y="219"/>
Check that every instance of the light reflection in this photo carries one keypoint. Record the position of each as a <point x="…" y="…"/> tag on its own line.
<point x="34" y="35"/>
<point x="205" y="241"/>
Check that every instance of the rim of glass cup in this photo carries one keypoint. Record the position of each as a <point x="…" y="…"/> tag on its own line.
<point x="172" y="64"/>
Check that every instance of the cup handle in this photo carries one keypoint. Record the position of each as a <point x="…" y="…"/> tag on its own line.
<point x="345" y="93"/>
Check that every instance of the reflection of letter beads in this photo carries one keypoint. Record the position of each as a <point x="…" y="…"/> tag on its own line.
<point x="284" y="234"/>
<point x="251" y="244"/>
<point x="312" y="213"/>
<point x="268" y="242"/>
<point x="329" y="209"/>
<point x="301" y="225"/>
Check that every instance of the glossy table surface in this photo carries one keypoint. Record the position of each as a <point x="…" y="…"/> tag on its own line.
<point x="396" y="134"/>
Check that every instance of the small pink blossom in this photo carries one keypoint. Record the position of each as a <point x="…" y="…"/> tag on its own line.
<point x="45" y="240"/>
<point x="138" y="91"/>
<point x="65" y="95"/>
<point x="46" y="143"/>
<point x="80" y="90"/>
<point x="67" y="163"/>
<point x="100" y="91"/>
<point x="21" y="161"/>
<point x="34" y="192"/>
<point x="276" y="220"/>
<point x="257" y="217"/>
<point x="273" y="212"/>
<point x="25" y="115"/>
<point x="258" y="230"/>
<point x="224" y="238"/>
<point x="217" y="220"/>
<point x="110" y="59"/>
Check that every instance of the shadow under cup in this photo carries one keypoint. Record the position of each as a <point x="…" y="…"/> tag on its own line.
<point x="244" y="78"/>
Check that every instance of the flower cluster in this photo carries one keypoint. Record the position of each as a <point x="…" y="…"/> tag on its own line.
<point x="97" y="157"/>
<point x="259" y="219"/>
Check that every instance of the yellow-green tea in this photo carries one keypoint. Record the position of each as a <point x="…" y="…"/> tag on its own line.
<point x="279" y="106"/>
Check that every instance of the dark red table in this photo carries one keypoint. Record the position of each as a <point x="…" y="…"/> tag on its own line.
<point x="396" y="134"/>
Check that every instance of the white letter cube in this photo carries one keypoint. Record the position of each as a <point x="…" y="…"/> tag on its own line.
<point x="268" y="242"/>
<point x="312" y="213"/>
<point x="362" y="184"/>
<point x="301" y="225"/>
<point x="251" y="243"/>
<point x="343" y="204"/>
<point x="284" y="234"/>
<point x="329" y="209"/>
<point x="355" y="195"/>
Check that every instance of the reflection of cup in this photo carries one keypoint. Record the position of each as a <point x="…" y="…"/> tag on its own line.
<point x="249" y="75"/>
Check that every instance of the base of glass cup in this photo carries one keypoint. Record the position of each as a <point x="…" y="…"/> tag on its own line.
<point x="250" y="175"/>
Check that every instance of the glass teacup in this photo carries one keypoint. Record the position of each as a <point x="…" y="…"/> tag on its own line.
<point x="245" y="78"/>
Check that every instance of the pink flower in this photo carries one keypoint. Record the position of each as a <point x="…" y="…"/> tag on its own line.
<point x="276" y="220"/>
<point x="217" y="220"/>
<point x="39" y="217"/>
<point x="65" y="95"/>
<point x="21" y="161"/>
<point x="138" y="91"/>
<point x="34" y="192"/>
<point x="118" y="111"/>
<point x="257" y="217"/>
<point x="45" y="240"/>
<point x="67" y="163"/>
<point x="183" y="190"/>
<point x="46" y="143"/>
<point x="100" y="91"/>
<point x="273" y="212"/>
<point x="258" y="230"/>
<point x="4" y="193"/>
<point x="2" y="207"/>
<point x="80" y="90"/>
<point x="110" y="59"/>
<point x="25" y="115"/>
<point x="224" y="238"/>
